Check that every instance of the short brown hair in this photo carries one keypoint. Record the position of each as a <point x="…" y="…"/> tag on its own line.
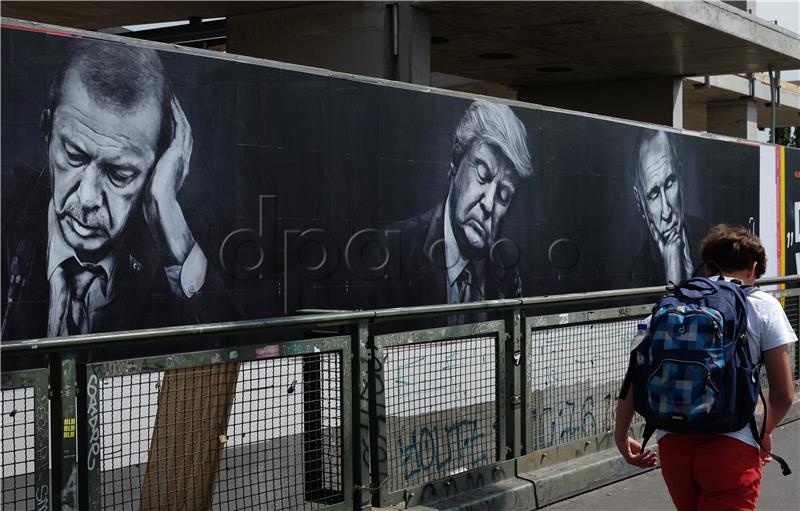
<point x="733" y="248"/>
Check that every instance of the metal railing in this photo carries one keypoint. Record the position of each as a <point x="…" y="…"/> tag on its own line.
<point x="322" y="411"/>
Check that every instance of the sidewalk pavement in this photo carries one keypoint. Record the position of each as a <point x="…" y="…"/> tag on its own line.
<point x="647" y="492"/>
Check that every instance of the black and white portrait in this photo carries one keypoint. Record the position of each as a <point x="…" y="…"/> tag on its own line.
<point x="102" y="243"/>
<point x="148" y="188"/>
<point x="451" y="253"/>
<point x="671" y="248"/>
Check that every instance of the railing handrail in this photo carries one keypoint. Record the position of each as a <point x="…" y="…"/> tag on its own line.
<point x="192" y="332"/>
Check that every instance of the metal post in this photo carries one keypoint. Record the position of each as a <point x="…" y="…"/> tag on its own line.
<point x="379" y="454"/>
<point x="64" y="433"/>
<point x="361" y="416"/>
<point x="773" y="106"/>
<point x="514" y="383"/>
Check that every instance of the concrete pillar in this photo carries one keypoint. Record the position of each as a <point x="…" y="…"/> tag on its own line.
<point x="736" y="118"/>
<point x="654" y="100"/>
<point x="389" y="41"/>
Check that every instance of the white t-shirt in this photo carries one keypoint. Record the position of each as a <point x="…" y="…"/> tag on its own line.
<point x="767" y="328"/>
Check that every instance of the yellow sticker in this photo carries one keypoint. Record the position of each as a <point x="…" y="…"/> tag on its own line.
<point x="69" y="428"/>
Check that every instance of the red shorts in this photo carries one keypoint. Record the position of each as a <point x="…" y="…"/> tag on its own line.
<point x="710" y="472"/>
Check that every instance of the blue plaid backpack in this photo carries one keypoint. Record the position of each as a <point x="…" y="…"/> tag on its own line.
<point x="693" y="372"/>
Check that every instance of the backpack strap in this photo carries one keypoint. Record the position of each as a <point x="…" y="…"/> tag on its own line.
<point x="784" y="466"/>
<point x="759" y="436"/>
<point x="649" y="429"/>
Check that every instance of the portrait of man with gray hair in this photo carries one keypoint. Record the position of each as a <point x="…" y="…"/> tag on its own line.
<point x="98" y="241"/>
<point x="448" y="253"/>
<point x="670" y="250"/>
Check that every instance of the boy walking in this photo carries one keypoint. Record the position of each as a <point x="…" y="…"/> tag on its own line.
<point x="723" y="471"/>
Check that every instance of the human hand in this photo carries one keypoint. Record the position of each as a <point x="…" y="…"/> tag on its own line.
<point x="766" y="447"/>
<point x="631" y="450"/>
<point x="161" y="208"/>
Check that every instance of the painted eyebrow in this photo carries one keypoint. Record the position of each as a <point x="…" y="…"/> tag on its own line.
<point x="70" y="144"/>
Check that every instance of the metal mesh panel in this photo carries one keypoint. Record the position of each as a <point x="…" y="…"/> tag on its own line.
<point x="574" y="374"/>
<point x="284" y="417"/>
<point x="284" y="437"/>
<point x="791" y="305"/>
<point x="441" y="415"/>
<point x="18" y="449"/>
<point x="127" y="410"/>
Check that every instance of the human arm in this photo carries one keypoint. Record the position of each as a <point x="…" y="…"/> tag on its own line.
<point x="630" y="449"/>
<point x="781" y="390"/>
<point x="187" y="262"/>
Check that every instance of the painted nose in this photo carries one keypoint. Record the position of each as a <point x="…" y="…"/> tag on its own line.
<point x="488" y="198"/>
<point x="666" y="210"/>
<point x="90" y="191"/>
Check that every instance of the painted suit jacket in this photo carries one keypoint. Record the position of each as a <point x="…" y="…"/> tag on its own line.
<point x="422" y="279"/>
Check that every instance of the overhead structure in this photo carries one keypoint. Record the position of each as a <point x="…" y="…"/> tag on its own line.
<point x="619" y="58"/>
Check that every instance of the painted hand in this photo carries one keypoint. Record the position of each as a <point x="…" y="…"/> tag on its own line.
<point x="671" y="250"/>
<point x="161" y="209"/>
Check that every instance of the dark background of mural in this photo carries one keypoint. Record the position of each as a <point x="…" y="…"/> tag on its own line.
<point x="792" y="196"/>
<point x="342" y="156"/>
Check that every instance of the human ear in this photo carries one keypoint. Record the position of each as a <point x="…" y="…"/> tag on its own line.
<point x="638" y="202"/>
<point x="45" y="124"/>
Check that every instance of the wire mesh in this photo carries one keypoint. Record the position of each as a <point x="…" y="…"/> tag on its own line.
<point x="441" y="414"/>
<point x="284" y="438"/>
<point x="791" y="306"/>
<point x="224" y="436"/>
<point x="574" y="376"/>
<point x="18" y="420"/>
<point x="575" y="372"/>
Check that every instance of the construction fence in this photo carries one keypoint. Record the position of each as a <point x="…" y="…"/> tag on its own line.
<point x="327" y="411"/>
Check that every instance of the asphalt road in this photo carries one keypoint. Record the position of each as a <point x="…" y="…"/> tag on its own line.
<point x="647" y="492"/>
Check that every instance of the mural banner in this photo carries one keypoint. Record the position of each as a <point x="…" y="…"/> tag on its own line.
<point x="145" y="188"/>
<point x="790" y="214"/>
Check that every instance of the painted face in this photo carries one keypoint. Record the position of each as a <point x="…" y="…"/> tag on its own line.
<point x="480" y="195"/>
<point x="660" y="193"/>
<point x="99" y="159"/>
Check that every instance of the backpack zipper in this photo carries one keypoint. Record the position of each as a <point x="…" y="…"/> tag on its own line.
<point x="708" y="381"/>
<point x="717" y="334"/>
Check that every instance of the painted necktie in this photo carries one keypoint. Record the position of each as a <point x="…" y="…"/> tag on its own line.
<point x="80" y="279"/>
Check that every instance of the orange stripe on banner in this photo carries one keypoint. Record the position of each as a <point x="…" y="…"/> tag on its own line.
<point x="782" y="206"/>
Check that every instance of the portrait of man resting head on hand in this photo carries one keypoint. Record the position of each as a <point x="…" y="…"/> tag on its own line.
<point x="118" y="150"/>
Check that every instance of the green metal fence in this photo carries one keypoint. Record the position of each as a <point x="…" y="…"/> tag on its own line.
<point x="336" y="410"/>
<point x="25" y="440"/>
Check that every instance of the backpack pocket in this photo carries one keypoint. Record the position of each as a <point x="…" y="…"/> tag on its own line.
<point x="687" y="328"/>
<point x="681" y="391"/>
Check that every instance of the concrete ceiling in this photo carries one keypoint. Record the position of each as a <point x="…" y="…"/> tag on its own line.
<point x="603" y="41"/>
<point x="97" y="15"/>
<point x="578" y="41"/>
